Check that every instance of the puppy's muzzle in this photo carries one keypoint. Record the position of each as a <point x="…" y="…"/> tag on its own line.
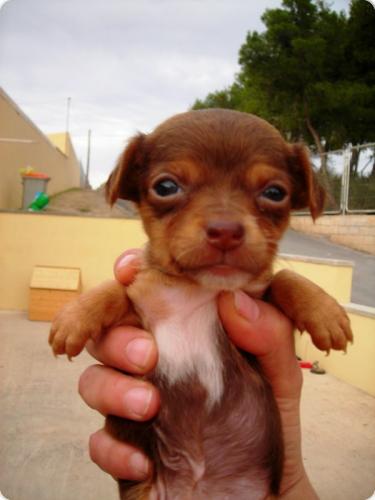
<point x="225" y="235"/>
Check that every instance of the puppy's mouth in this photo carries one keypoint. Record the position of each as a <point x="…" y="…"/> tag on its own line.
<point x="213" y="262"/>
<point x="222" y="270"/>
<point x="217" y="266"/>
<point x="218" y="270"/>
<point x="228" y="277"/>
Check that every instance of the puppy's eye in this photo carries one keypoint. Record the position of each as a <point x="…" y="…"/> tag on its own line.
<point x="274" y="193"/>
<point x="166" y="187"/>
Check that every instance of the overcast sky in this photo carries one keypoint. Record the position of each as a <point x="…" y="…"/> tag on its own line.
<point x="126" y="64"/>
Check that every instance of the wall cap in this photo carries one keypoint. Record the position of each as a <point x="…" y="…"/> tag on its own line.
<point x="316" y="260"/>
<point x="360" y="309"/>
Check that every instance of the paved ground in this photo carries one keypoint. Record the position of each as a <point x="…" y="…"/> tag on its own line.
<point x="363" y="290"/>
<point x="44" y="426"/>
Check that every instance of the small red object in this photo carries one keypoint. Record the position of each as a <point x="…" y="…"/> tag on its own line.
<point x="36" y="175"/>
<point x="305" y="364"/>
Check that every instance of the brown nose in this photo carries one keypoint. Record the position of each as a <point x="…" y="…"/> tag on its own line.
<point x="225" y="235"/>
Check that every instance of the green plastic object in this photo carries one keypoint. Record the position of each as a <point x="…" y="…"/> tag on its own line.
<point x="39" y="202"/>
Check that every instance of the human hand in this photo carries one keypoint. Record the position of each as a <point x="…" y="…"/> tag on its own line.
<point x="110" y="391"/>
<point x="252" y="325"/>
<point x="261" y="329"/>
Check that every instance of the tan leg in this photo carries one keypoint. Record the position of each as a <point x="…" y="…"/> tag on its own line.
<point x="98" y="309"/>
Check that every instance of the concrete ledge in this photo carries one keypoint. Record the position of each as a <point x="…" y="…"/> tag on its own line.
<point x="367" y="311"/>
<point x="317" y="260"/>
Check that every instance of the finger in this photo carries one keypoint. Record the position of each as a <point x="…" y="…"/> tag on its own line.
<point x="119" y="459"/>
<point x="126" y="348"/>
<point x="127" y="265"/>
<point x="261" y="329"/>
<point x="111" y="392"/>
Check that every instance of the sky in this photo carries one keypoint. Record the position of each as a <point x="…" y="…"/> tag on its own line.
<point x="123" y="65"/>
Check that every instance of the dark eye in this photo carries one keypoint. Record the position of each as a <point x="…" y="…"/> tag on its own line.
<point x="274" y="193"/>
<point x="166" y="187"/>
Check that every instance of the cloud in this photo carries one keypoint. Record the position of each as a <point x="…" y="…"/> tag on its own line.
<point x="126" y="64"/>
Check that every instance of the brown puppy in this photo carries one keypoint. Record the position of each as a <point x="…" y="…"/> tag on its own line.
<point x="214" y="189"/>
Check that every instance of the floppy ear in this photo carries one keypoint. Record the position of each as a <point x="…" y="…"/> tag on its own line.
<point x="307" y="192"/>
<point x="124" y="181"/>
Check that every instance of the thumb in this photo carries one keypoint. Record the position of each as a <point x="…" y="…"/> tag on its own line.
<point x="260" y="329"/>
<point x="253" y="325"/>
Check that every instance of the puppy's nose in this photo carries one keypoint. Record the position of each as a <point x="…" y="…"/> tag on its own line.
<point x="225" y="235"/>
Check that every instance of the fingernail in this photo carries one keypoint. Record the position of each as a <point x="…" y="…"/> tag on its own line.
<point x="126" y="260"/>
<point x="138" y="352"/>
<point x="246" y="306"/>
<point x="138" y="401"/>
<point x="139" y="464"/>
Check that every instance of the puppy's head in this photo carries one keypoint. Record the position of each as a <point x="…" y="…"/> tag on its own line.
<point x="215" y="189"/>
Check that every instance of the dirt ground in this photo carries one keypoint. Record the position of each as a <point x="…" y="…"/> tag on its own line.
<point x="87" y="202"/>
<point x="44" y="426"/>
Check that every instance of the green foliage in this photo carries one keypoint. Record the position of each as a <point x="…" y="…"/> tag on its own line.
<point x="221" y="99"/>
<point x="311" y="73"/>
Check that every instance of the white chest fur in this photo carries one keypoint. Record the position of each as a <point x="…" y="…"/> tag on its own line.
<point x="186" y="336"/>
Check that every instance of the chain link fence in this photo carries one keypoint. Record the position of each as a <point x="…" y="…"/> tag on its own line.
<point x="349" y="178"/>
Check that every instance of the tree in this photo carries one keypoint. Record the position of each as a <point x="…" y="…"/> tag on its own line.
<point x="311" y="73"/>
<point x="361" y="69"/>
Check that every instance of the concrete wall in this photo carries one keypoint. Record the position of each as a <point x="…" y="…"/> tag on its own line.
<point x="354" y="231"/>
<point x="93" y="244"/>
<point x="22" y="144"/>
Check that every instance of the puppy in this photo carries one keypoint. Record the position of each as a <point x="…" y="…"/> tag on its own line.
<point x="214" y="190"/>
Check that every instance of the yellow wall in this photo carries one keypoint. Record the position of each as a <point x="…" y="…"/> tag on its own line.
<point x="93" y="244"/>
<point x="28" y="239"/>
<point x="41" y="153"/>
<point x="335" y="277"/>
<point x="60" y="141"/>
<point x="357" y="367"/>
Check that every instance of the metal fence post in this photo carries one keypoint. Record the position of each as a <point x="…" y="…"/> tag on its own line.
<point x="344" y="198"/>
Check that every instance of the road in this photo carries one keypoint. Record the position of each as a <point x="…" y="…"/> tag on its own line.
<point x="363" y="289"/>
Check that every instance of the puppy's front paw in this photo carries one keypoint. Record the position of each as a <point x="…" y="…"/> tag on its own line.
<point x="327" y="323"/>
<point x="71" y="329"/>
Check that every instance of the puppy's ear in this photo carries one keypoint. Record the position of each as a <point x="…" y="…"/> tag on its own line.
<point x="307" y="192"/>
<point x="124" y="181"/>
